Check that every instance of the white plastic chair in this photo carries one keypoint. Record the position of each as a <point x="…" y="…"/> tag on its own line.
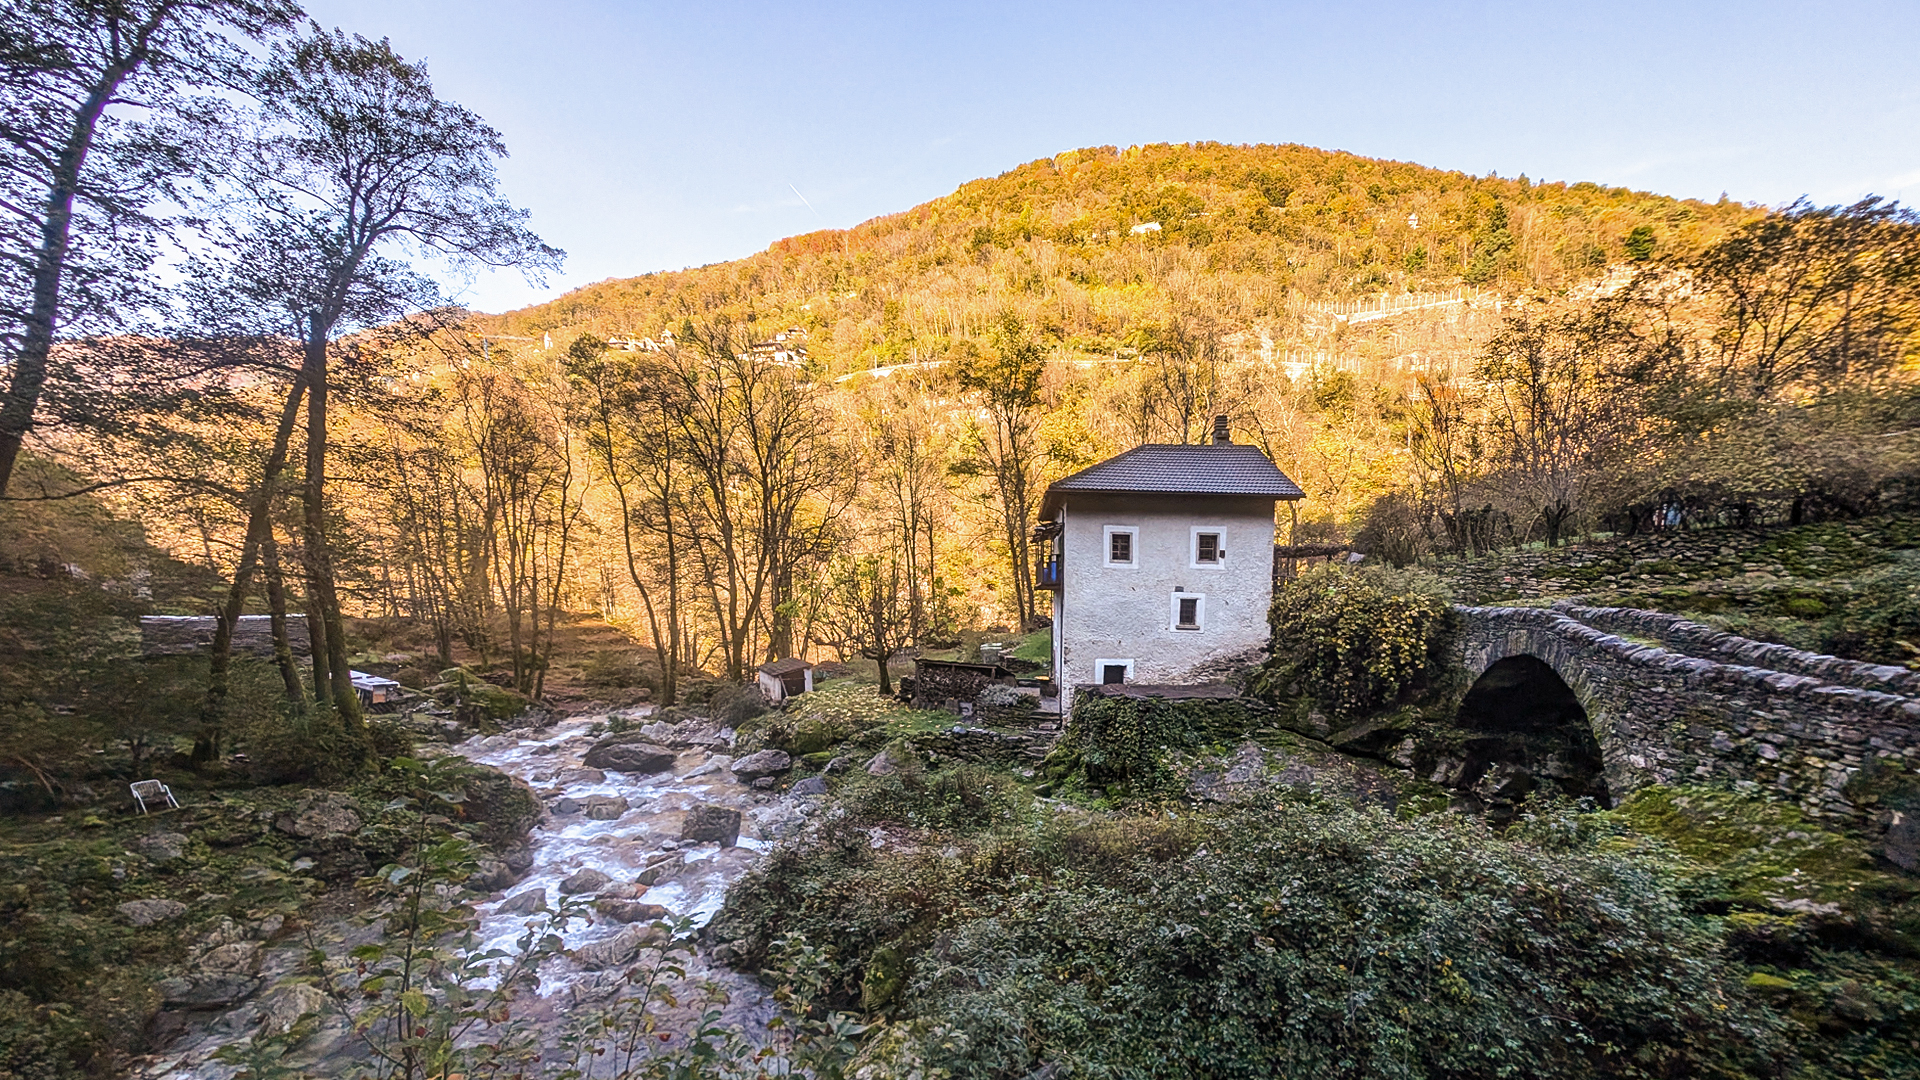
<point x="152" y="789"/>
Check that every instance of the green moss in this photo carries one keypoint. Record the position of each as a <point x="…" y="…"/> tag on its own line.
<point x="458" y="685"/>
<point x="1756" y="850"/>
<point x="884" y="978"/>
<point x="1805" y="607"/>
<point x="1760" y="980"/>
<point x="1419" y="797"/>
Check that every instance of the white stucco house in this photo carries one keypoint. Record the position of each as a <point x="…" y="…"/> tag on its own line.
<point x="1161" y="560"/>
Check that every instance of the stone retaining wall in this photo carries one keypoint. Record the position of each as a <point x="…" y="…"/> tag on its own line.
<point x="984" y="744"/>
<point x="1664" y="717"/>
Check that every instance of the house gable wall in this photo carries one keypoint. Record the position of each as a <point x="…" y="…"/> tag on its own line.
<point x="1116" y="612"/>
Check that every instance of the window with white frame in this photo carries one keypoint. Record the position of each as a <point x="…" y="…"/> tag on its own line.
<point x="1123" y="545"/>
<point x="1209" y="547"/>
<point x="1189" y="610"/>
<point x="1113" y="672"/>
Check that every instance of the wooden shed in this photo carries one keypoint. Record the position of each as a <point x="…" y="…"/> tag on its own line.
<point x="782" y="679"/>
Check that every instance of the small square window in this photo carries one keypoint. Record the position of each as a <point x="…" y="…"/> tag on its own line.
<point x="1189" y="613"/>
<point x="1120" y="547"/>
<point x="1113" y="674"/>
<point x="1207" y="547"/>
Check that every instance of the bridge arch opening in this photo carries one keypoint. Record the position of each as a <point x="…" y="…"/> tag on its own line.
<point x="1527" y="735"/>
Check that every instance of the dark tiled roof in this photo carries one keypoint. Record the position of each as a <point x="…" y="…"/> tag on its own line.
<point x="785" y="667"/>
<point x="1166" y="469"/>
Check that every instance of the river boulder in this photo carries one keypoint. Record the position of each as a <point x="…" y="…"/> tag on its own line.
<point x="325" y="815"/>
<point x="629" y="754"/>
<point x="587" y="880"/>
<point x="629" y="911"/>
<point x="525" y="903"/>
<point x="618" y="949"/>
<point x="707" y="823"/>
<point x="606" y="807"/>
<point x="764" y="763"/>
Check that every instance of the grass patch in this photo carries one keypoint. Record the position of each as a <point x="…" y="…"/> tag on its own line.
<point x="845" y="713"/>
<point x="1036" y="648"/>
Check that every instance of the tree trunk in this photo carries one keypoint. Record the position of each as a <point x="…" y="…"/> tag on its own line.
<point x="206" y="745"/>
<point x="326" y="596"/>
<point x="317" y="652"/>
<point x="277" y="615"/>
<point x="50" y="261"/>
<point x="780" y="638"/>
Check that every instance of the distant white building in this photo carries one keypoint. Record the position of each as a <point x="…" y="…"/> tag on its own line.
<point x="1161" y="561"/>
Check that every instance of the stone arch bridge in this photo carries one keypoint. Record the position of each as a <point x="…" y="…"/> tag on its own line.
<point x="1672" y="701"/>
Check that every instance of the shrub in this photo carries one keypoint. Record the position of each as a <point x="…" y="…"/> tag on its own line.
<point x="962" y="797"/>
<point x="389" y="739"/>
<point x="1323" y="941"/>
<point x="37" y="1043"/>
<point x="1393" y="530"/>
<point x="734" y="704"/>
<point x="1307" y="939"/>
<point x="614" y="670"/>
<point x="1122" y="740"/>
<point x="295" y="744"/>
<point x="1356" y="640"/>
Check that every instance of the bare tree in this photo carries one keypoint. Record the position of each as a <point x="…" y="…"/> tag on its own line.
<point x="354" y="157"/>
<point x="533" y="501"/>
<point x="1446" y="450"/>
<point x="867" y="611"/>
<point x="905" y="486"/>
<point x="1181" y="384"/>
<point x="1554" y="408"/>
<point x="1812" y="296"/>
<point x="1005" y="382"/>
<point x="94" y="102"/>
<point x="766" y="485"/>
<point x="630" y="411"/>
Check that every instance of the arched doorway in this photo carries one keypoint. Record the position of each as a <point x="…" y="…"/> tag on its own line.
<point x="1527" y="735"/>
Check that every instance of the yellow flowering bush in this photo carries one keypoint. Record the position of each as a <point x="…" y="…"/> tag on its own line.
<point x="1356" y="640"/>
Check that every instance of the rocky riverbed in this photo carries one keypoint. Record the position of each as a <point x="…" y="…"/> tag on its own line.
<point x="653" y="823"/>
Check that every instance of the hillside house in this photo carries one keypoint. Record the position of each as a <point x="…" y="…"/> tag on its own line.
<point x="1160" y="561"/>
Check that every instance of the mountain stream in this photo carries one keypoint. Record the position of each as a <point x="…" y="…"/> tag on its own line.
<point x="626" y="826"/>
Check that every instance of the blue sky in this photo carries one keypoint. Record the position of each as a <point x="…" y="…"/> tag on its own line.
<point x="653" y="136"/>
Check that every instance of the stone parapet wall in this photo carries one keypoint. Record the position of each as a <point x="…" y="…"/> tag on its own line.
<point x="1707" y="643"/>
<point x="1663" y="717"/>
<point x="173" y="635"/>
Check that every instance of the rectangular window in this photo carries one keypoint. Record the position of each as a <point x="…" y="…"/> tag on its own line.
<point x="1187" y="611"/>
<point x="1207" y="547"/>
<point x="1122" y="544"/>
<point x="1113" y="674"/>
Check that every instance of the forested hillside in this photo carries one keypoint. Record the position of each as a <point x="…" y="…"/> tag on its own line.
<point x="837" y="445"/>
<point x="1096" y="245"/>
